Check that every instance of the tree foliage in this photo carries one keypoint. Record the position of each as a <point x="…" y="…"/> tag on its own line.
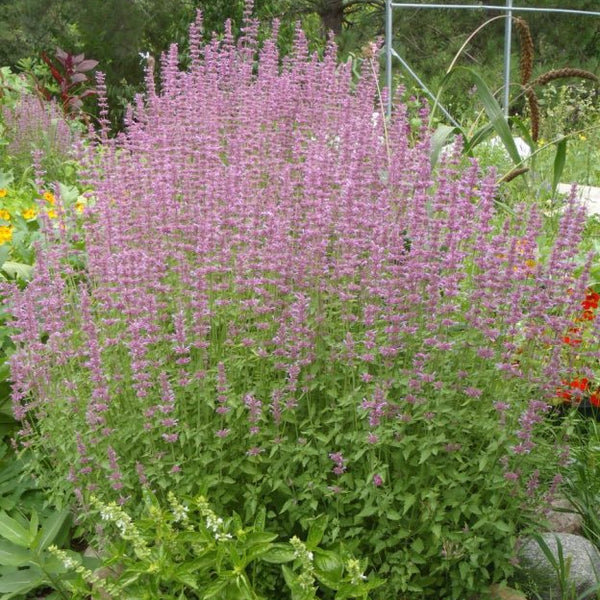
<point x="115" y="32"/>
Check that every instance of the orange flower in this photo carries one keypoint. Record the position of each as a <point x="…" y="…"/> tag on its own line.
<point x="49" y="198"/>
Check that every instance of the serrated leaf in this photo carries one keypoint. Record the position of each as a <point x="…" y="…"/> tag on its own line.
<point x="502" y="526"/>
<point x="367" y="511"/>
<point x="409" y="500"/>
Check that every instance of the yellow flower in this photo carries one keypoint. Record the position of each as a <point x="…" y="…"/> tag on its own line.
<point x="530" y="263"/>
<point x="29" y="214"/>
<point x="79" y="206"/>
<point x="5" y="234"/>
<point x="51" y="214"/>
<point x="4" y="215"/>
<point x="582" y="137"/>
<point x="49" y="198"/>
<point x="3" y="193"/>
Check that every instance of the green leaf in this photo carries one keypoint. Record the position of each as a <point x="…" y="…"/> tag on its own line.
<point x="18" y="270"/>
<point x="409" y="500"/>
<point x="502" y="526"/>
<point x="367" y="511"/>
<point x="215" y="588"/>
<point x="6" y="179"/>
<point x="290" y="577"/>
<point x="326" y="580"/>
<point x="4" y="252"/>
<point x="255" y="552"/>
<point x="13" y="531"/>
<point x="279" y="553"/>
<point x="12" y="555"/>
<point x="559" y="163"/>
<point x="259" y="520"/>
<point x="495" y="115"/>
<point x="316" y="531"/>
<point x="439" y="139"/>
<point x="52" y="528"/>
<point x="259" y="537"/>
<point x="68" y="193"/>
<point x="329" y="563"/>
<point x="360" y="590"/>
<point x="34" y="523"/>
<point x="20" y="582"/>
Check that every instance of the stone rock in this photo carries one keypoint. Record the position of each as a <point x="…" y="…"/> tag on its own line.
<point x="498" y="592"/>
<point x="564" y="519"/>
<point x="581" y="559"/>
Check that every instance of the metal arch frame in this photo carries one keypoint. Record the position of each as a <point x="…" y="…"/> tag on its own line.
<point x="509" y="8"/>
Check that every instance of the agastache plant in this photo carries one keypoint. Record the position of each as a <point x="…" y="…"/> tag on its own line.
<point x="267" y="290"/>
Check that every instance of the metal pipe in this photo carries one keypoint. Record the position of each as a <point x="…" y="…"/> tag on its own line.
<point x="388" y="56"/>
<point x="500" y="8"/>
<point x="507" y="51"/>
<point x="425" y="89"/>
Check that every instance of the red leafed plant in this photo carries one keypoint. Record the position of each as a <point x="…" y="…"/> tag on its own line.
<point x="69" y="72"/>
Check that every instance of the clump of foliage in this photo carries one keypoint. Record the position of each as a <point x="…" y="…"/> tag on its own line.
<point x="284" y="308"/>
<point x="185" y="550"/>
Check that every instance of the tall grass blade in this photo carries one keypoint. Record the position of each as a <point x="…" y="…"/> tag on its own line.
<point x="495" y="115"/>
<point x="559" y="163"/>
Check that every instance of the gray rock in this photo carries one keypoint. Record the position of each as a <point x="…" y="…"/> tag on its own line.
<point x="563" y="518"/>
<point x="581" y="566"/>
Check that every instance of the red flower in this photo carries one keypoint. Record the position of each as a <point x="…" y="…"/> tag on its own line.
<point x="595" y="399"/>
<point x="591" y="300"/>
<point x="580" y="384"/>
<point x="572" y="341"/>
